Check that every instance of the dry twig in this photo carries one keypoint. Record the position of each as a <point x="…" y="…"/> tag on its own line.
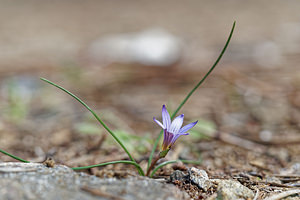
<point x="256" y="194"/>
<point x="283" y="194"/>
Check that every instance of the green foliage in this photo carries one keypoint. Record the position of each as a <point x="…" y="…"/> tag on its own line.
<point x="88" y="128"/>
<point x="72" y="72"/>
<point x="17" y="106"/>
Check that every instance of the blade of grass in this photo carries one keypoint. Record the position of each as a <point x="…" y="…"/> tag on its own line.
<point x="191" y="92"/>
<point x="15" y="157"/>
<point x="171" y="162"/>
<point x="95" y="115"/>
<point x="141" y="172"/>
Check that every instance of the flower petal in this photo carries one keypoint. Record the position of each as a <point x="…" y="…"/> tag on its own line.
<point x="166" y="118"/>
<point x="159" y="123"/>
<point x="188" y="127"/>
<point x="177" y="136"/>
<point x="176" y="124"/>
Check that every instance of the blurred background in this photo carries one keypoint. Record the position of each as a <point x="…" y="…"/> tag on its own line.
<point x="128" y="58"/>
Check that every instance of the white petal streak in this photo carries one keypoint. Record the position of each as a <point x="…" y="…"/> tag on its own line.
<point x="166" y="118"/>
<point x="176" y="124"/>
<point x="159" y="123"/>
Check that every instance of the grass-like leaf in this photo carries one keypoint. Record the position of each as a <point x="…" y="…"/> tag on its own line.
<point x="95" y="115"/>
<point x="191" y="92"/>
<point x="13" y="156"/>
<point x="133" y="162"/>
<point x="141" y="172"/>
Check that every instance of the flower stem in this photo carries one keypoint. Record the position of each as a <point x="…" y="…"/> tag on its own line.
<point x="141" y="172"/>
<point x="95" y="115"/>
<point x="192" y="91"/>
<point x="13" y="156"/>
<point x="153" y="164"/>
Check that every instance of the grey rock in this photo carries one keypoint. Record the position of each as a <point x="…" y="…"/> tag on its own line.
<point x="230" y="189"/>
<point x="200" y="178"/>
<point x="36" y="181"/>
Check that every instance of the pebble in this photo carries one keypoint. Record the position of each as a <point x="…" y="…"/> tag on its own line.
<point x="200" y="178"/>
<point x="230" y="189"/>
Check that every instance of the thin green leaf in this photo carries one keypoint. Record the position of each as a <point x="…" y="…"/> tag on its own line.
<point x="95" y="115"/>
<point x="141" y="172"/>
<point x="13" y="156"/>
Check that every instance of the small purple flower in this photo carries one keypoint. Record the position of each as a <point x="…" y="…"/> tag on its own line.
<point x="173" y="130"/>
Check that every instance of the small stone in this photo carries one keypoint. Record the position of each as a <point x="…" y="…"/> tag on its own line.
<point x="230" y="189"/>
<point x="178" y="176"/>
<point x="49" y="162"/>
<point x="200" y="178"/>
<point x="273" y="179"/>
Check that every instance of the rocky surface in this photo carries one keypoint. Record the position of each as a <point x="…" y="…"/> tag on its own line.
<point x="209" y="188"/>
<point x="36" y="181"/>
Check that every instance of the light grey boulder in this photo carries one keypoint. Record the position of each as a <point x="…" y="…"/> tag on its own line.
<point x="36" y="181"/>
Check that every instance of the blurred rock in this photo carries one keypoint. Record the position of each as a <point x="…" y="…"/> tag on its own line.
<point x="36" y="181"/>
<point x="267" y="54"/>
<point x="229" y="189"/>
<point x="268" y="111"/>
<point x="266" y="135"/>
<point x="154" y="47"/>
<point x="236" y="119"/>
<point x="294" y="169"/>
<point x="279" y="153"/>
